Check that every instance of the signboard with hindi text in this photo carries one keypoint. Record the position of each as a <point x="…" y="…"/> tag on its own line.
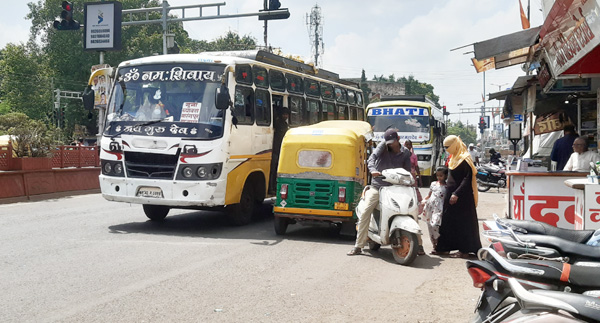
<point x="102" y="22"/>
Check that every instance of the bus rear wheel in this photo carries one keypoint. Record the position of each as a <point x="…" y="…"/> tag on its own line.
<point x="156" y="212"/>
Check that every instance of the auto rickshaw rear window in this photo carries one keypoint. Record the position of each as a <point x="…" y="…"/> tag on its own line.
<point x="314" y="158"/>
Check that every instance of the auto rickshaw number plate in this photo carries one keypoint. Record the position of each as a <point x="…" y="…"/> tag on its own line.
<point x="340" y="206"/>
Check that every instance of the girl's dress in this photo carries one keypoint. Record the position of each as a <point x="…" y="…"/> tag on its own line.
<point x="433" y="210"/>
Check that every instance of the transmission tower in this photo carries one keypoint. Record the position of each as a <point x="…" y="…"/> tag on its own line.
<point x="314" y="21"/>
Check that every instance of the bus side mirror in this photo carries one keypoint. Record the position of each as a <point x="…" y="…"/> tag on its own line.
<point x="222" y="100"/>
<point x="431" y="122"/>
<point x="88" y="98"/>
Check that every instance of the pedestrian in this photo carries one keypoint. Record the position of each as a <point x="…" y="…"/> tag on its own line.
<point x="563" y="147"/>
<point x="434" y="204"/>
<point x="414" y="170"/>
<point x="474" y="154"/>
<point x="495" y="157"/>
<point x="388" y="154"/>
<point x="280" y="127"/>
<point x="459" y="229"/>
<point x="581" y="157"/>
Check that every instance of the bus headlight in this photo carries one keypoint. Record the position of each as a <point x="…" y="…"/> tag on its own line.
<point x="107" y="168"/>
<point x="187" y="172"/>
<point x="201" y="172"/>
<point x="118" y="169"/>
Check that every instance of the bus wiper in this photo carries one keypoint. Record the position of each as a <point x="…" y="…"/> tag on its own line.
<point x="143" y="124"/>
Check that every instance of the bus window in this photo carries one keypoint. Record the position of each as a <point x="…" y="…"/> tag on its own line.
<point x="314" y="111"/>
<point x="359" y="99"/>
<point x="328" y="111"/>
<point x="243" y="74"/>
<point x="297" y="111"/>
<point x="361" y="114"/>
<point x="263" y="108"/>
<point x="261" y="78"/>
<point x="243" y="107"/>
<point x="327" y="91"/>
<point x="312" y="87"/>
<point x="277" y="80"/>
<point x="294" y="84"/>
<point x="342" y="112"/>
<point x="340" y="95"/>
<point x="351" y="97"/>
<point x="353" y="113"/>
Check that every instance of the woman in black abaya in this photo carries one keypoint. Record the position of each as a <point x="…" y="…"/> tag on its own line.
<point x="459" y="229"/>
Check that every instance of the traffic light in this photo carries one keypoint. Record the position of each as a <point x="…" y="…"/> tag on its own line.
<point x="66" y="21"/>
<point x="481" y="124"/>
<point x="274" y="5"/>
<point x="446" y="113"/>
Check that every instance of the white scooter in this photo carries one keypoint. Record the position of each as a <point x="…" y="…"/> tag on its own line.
<point x="394" y="221"/>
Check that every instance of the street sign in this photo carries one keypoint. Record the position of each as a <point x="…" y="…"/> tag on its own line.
<point x="518" y="117"/>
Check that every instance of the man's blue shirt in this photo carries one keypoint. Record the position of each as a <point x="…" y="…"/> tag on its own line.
<point x="562" y="150"/>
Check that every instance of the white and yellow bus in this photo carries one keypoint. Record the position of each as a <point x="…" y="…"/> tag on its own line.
<point x="417" y="119"/>
<point x="167" y="142"/>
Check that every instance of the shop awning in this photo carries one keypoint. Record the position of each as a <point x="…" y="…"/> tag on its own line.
<point x="520" y="84"/>
<point x="505" y="50"/>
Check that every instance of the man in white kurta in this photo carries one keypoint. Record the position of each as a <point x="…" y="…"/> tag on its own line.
<point x="581" y="157"/>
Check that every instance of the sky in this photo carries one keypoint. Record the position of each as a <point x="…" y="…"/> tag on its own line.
<point x="401" y="37"/>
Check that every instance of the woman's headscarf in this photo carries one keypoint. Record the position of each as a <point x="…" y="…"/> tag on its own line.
<point x="460" y="153"/>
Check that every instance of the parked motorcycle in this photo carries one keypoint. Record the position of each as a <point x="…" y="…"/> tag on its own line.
<point x="490" y="175"/>
<point x="552" y="306"/>
<point x="497" y="301"/>
<point x="394" y="221"/>
<point x="520" y="239"/>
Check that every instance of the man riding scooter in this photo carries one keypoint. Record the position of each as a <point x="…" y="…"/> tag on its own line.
<point x="388" y="154"/>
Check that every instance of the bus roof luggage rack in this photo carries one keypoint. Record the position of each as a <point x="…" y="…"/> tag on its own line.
<point x="414" y="97"/>
<point x="270" y="58"/>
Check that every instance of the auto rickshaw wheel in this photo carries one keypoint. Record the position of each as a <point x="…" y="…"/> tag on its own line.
<point x="280" y="224"/>
<point x="241" y="213"/>
<point x="404" y="247"/>
<point x="374" y="246"/>
<point x="156" y="212"/>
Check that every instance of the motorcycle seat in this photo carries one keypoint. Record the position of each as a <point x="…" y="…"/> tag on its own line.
<point x="586" y="306"/>
<point x="580" y="278"/>
<point x="578" y="236"/>
<point x="573" y="250"/>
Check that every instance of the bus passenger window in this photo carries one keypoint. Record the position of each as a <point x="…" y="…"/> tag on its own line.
<point x="328" y="111"/>
<point x="327" y="91"/>
<point x="351" y="97"/>
<point x="261" y="78"/>
<point x="296" y="105"/>
<point x="277" y="80"/>
<point x="243" y="74"/>
<point x="340" y="95"/>
<point x="359" y="99"/>
<point x="353" y="113"/>
<point x="243" y="107"/>
<point x="361" y="114"/>
<point x="314" y="112"/>
<point x="342" y="112"/>
<point x="263" y="108"/>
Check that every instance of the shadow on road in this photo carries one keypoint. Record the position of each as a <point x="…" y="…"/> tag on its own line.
<point x="424" y="262"/>
<point x="214" y="225"/>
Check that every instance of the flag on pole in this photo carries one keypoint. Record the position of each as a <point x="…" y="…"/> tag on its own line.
<point x="524" y="20"/>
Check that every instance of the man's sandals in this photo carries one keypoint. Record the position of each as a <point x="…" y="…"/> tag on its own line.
<point x="355" y="251"/>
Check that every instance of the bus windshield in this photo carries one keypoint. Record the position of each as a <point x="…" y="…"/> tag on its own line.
<point x="175" y="95"/>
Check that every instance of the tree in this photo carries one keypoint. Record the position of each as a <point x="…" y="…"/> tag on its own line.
<point x="364" y="87"/>
<point x="468" y="134"/>
<point x="412" y="86"/>
<point x="31" y="138"/>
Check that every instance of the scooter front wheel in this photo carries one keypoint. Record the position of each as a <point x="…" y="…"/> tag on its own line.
<point x="404" y="247"/>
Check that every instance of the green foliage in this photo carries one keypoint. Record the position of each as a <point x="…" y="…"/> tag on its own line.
<point x="31" y="138"/>
<point x="412" y="86"/>
<point x="364" y="87"/>
<point x="468" y="134"/>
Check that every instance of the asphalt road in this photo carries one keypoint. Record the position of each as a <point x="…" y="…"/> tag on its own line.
<point x="84" y="259"/>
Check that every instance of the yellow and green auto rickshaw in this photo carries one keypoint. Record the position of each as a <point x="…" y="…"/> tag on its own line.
<point x="322" y="171"/>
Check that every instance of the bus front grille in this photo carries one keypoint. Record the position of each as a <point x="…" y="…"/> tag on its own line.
<point x="146" y="165"/>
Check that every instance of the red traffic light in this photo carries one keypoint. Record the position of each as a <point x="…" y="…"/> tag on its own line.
<point x="67" y="6"/>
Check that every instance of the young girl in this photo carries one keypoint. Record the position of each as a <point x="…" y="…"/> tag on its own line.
<point x="434" y="203"/>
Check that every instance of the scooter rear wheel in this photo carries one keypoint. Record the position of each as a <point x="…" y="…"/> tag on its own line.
<point x="404" y="247"/>
<point x="374" y="246"/>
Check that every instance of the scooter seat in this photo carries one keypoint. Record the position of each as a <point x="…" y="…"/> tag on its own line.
<point x="586" y="306"/>
<point x="578" y="236"/>
<point x="573" y="250"/>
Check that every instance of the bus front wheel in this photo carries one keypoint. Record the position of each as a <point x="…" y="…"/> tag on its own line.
<point x="156" y="212"/>
<point x="241" y="213"/>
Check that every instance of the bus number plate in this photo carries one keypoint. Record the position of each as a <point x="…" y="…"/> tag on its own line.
<point x="148" y="191"/>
